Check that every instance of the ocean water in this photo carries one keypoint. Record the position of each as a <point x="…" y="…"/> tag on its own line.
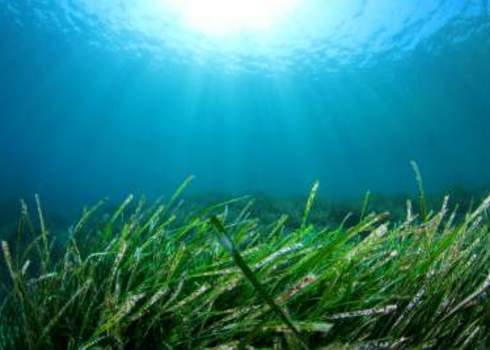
<point x="105" y="98"/>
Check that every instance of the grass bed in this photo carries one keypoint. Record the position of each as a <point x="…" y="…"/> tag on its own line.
<point x="150" y="277"/>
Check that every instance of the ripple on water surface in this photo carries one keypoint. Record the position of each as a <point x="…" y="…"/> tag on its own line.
<point x="311" y="36"/>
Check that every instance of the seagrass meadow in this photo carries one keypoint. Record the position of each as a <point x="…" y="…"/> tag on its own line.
<point x="146" y="276"/>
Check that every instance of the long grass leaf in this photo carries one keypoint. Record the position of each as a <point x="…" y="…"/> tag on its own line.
<point x="230" y="247"/>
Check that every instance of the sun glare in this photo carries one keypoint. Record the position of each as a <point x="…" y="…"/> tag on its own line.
<point x="225" y="17"/>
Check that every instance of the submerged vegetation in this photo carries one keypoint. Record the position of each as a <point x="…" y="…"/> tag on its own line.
<point x="218" y="278"/>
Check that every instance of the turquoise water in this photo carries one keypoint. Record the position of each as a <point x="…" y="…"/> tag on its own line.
<point x="106" y="98"/>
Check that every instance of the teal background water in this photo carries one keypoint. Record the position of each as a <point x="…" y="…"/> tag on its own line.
<point x="106" y="98"/>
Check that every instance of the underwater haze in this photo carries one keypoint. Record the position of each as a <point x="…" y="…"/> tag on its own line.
<point x="106" y="98"/>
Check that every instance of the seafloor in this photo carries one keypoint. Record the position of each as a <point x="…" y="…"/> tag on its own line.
<point x="253" y="272"/>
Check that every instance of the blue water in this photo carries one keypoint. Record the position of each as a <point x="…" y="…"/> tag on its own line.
<point x="105" y="98"/>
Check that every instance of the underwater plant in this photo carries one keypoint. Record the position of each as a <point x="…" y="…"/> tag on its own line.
<point x="150" y="277"/>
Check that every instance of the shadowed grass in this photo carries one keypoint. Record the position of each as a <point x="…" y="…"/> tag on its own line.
<point x="150" y="277"/>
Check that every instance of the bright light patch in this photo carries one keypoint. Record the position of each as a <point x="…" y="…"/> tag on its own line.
<point x="225" y="17"/>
